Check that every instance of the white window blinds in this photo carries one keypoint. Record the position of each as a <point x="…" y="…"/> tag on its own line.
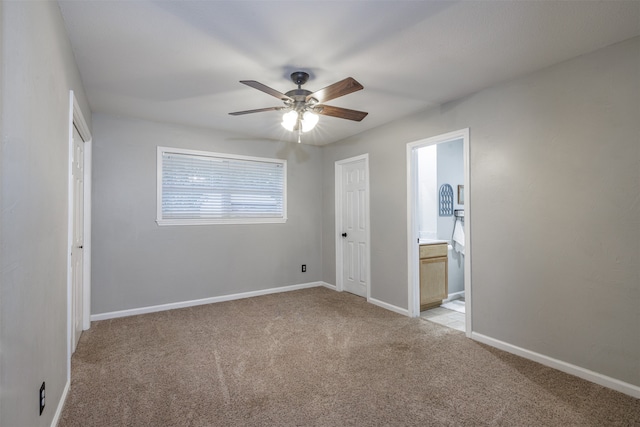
<point x="208" y="188"/>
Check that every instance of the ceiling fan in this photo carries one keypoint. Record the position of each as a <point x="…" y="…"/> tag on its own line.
<point x="302" y="106"/>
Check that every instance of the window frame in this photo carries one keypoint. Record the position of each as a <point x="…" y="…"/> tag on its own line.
<point x="213" y="221"/>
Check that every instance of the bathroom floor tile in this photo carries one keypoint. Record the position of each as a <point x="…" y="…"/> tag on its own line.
<point x="450" y="318"/>
<point x="435" y="312"/>
<point x="460" y="326"/>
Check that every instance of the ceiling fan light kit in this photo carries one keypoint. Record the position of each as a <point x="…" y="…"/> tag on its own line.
<point x="290" y="120"/>
<point x="294" y="120"/>
<point x="302" y="106"/>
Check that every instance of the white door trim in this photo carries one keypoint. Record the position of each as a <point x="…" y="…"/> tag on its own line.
<point x="412" y="222"/>
<point x="76" y="118"/>
<point x="338" y="221"/>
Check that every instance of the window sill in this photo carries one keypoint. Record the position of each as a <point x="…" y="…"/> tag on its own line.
<point x="237" y="221"/>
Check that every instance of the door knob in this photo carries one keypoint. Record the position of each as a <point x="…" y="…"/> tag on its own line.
<point x="344" y="234"/>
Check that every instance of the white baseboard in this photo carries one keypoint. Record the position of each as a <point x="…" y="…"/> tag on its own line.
<point x="63" y="399"/>
<point x="388" y="306"/>
<point x="373" y="301"/>
<point x="594" y="377"/>
<point x="192" y="303"/>
<point x="329" y="285"/>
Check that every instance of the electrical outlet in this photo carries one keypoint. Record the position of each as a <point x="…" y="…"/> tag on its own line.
<point x="304" y="268"/>
<point x="41" y="398"/>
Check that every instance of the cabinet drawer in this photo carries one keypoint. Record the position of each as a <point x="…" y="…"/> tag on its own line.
<point x="431" y="251"/>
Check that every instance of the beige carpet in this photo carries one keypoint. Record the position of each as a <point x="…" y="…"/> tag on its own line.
<point x="316" y="357"/>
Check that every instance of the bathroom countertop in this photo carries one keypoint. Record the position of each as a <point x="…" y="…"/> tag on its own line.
<point x="431" y="241"/>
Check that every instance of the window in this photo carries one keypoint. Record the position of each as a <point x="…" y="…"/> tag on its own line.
<point x="198" y="187"/>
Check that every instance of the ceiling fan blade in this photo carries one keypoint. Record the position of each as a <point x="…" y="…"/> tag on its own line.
<point x="341" y="88"/>
<point x="259" y="110"/>
<point x="266" y="89"/>
<point x="342" y="113"/>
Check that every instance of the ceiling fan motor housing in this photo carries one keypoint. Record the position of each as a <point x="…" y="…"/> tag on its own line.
<point x="300" y="102"/>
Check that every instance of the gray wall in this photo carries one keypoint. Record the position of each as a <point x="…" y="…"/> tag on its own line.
<point x="555" y="184"/>
<point x="137" y="263"/>
<point x="38" y="72"/>
<point x="451" y="171"/>
<point x="387" y="207"/>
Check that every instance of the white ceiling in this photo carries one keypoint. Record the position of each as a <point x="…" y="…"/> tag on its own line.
<point x="180" y="61"/>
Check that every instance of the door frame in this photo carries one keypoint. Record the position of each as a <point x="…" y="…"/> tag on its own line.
<point x="76" y="118"/>
<point x="338" y="221"/>
<point x="412" y="222"/>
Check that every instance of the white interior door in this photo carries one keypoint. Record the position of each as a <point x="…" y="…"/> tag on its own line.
<point x="77" y="249"/>
<point x="355" y="227"/>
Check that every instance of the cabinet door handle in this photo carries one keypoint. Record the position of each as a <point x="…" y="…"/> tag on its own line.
<point x="344" y="234"/>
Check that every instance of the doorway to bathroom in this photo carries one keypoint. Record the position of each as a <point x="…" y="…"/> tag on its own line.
<point x="438" y="231"/>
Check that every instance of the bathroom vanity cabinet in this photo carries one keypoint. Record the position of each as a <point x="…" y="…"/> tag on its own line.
<point x="434" y="286"/>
